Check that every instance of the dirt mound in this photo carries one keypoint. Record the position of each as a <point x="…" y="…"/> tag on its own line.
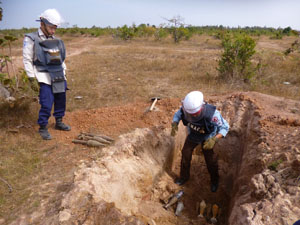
<point x="130" y="181"/>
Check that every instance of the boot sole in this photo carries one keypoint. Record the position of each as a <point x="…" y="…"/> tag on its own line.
<point x="57" y="128"/>
<point x="46" y="138"/>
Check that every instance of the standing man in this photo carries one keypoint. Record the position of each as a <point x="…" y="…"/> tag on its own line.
<point x="205" y="126"/>
<point x="43" y="58"/>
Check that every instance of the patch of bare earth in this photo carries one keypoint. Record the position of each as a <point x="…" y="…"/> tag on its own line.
<point x="130" y="181"/>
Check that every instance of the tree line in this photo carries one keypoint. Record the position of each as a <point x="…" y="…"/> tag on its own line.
<point x="177" y="31"/>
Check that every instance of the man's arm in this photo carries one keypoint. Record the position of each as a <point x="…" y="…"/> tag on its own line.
<point x="177" y="116"/>
<point x="28" y="57"/>
<point x="175" y="122"/>
<point x="221" y="123"/>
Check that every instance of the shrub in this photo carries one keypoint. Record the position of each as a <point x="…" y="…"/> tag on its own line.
<point x="184" y="33"/>
<point x="273" y="165"/>
<point x="235" y="61"/>
<point x="125" y="33"/>
<point x="287" y="31"/>
<point x="160" y="33"/>
<point x="278" y="35"/>
<point x="295" y="45"/>
<point x="180" y="33"/>
<point x="221" y="34"/>
<point x="144" y="30"/>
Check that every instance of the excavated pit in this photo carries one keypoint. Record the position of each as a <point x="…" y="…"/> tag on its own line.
<point x="133" y="179"/>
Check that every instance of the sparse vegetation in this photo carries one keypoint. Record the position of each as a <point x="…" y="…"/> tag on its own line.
<point x="176" y="28"/>
<point x="273" y="165"/>
<point x="294" y="46"/>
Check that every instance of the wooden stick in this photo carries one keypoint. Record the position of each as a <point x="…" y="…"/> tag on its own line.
<point x="153" y="104"/>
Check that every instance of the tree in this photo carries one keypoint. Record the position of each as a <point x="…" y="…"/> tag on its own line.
<point x="177" y="28"/>
<point x="287" y="31"/>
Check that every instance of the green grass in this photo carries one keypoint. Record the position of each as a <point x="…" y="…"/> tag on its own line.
<point x="273" y="165"/>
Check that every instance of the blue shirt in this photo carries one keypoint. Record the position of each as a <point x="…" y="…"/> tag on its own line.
<point x="221" y="125"/>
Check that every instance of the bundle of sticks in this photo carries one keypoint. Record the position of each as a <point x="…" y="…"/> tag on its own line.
<point x="93" y="140"/>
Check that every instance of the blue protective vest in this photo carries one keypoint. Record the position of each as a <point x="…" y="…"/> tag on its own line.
<point x="201" y="129"/>
<point x="49" y="57"/>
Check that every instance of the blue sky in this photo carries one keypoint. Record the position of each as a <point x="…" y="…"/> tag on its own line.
<point x="113" y="13"/>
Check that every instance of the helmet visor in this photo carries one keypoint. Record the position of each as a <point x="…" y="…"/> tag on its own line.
<point x="195" y="116"/>
<point x="45" y="21"/>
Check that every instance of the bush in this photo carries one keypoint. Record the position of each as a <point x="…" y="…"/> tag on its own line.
<point x="184" y="33"/>
<point x="235" y="61"/>
<point x="144" y="30"/>
<point x="287" y="31"/>
<point x="125" y="33"/>
<point x="160" y="33"/>
<point x="273" y="165"/>
<point x="295" y="45"/>
<point x="278" y="35"/>
<point x="179" y="33"/>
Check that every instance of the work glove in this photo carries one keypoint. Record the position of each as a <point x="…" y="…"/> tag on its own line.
<point x="33" y="84"/>
<point x="210" y="143"/>
<point x="174" y="129"/>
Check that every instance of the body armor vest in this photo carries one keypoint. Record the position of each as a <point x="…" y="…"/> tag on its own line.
<point x="202" y="128"/>
<point x="49" y="56"/>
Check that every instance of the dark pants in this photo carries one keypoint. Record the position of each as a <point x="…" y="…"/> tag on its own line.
<point x="47" y="99"/>
<point x="211" y="160"/>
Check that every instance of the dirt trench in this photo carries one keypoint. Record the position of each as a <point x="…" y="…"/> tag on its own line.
<point x="136" y="175"/>
<point x="133" y="179"/>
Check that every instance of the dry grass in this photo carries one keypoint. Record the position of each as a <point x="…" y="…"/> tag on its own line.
<point x="114" y="72"/>
<point x="107" y="71"/>
<point x="277" y="69"/>
<point x="20" y="165"/>
<point x="134" y="71"/>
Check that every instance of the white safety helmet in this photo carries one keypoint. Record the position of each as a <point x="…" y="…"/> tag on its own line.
<point x="52" y="17"/>
<point x="193" y="102"/>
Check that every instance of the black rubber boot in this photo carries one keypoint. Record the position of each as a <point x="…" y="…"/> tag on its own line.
<point x="43" y="131"/>
<point x="61" y="126"/>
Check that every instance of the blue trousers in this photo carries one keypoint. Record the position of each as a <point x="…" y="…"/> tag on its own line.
<point x="47" y="99"/>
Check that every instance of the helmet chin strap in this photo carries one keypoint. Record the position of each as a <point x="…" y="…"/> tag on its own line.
<point x="44" y="29"/>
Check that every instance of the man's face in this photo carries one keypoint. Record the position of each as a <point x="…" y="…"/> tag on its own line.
<point x="197" y="113"/>
<point x="49" y="30"/>
<point x="195" y="116"/>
